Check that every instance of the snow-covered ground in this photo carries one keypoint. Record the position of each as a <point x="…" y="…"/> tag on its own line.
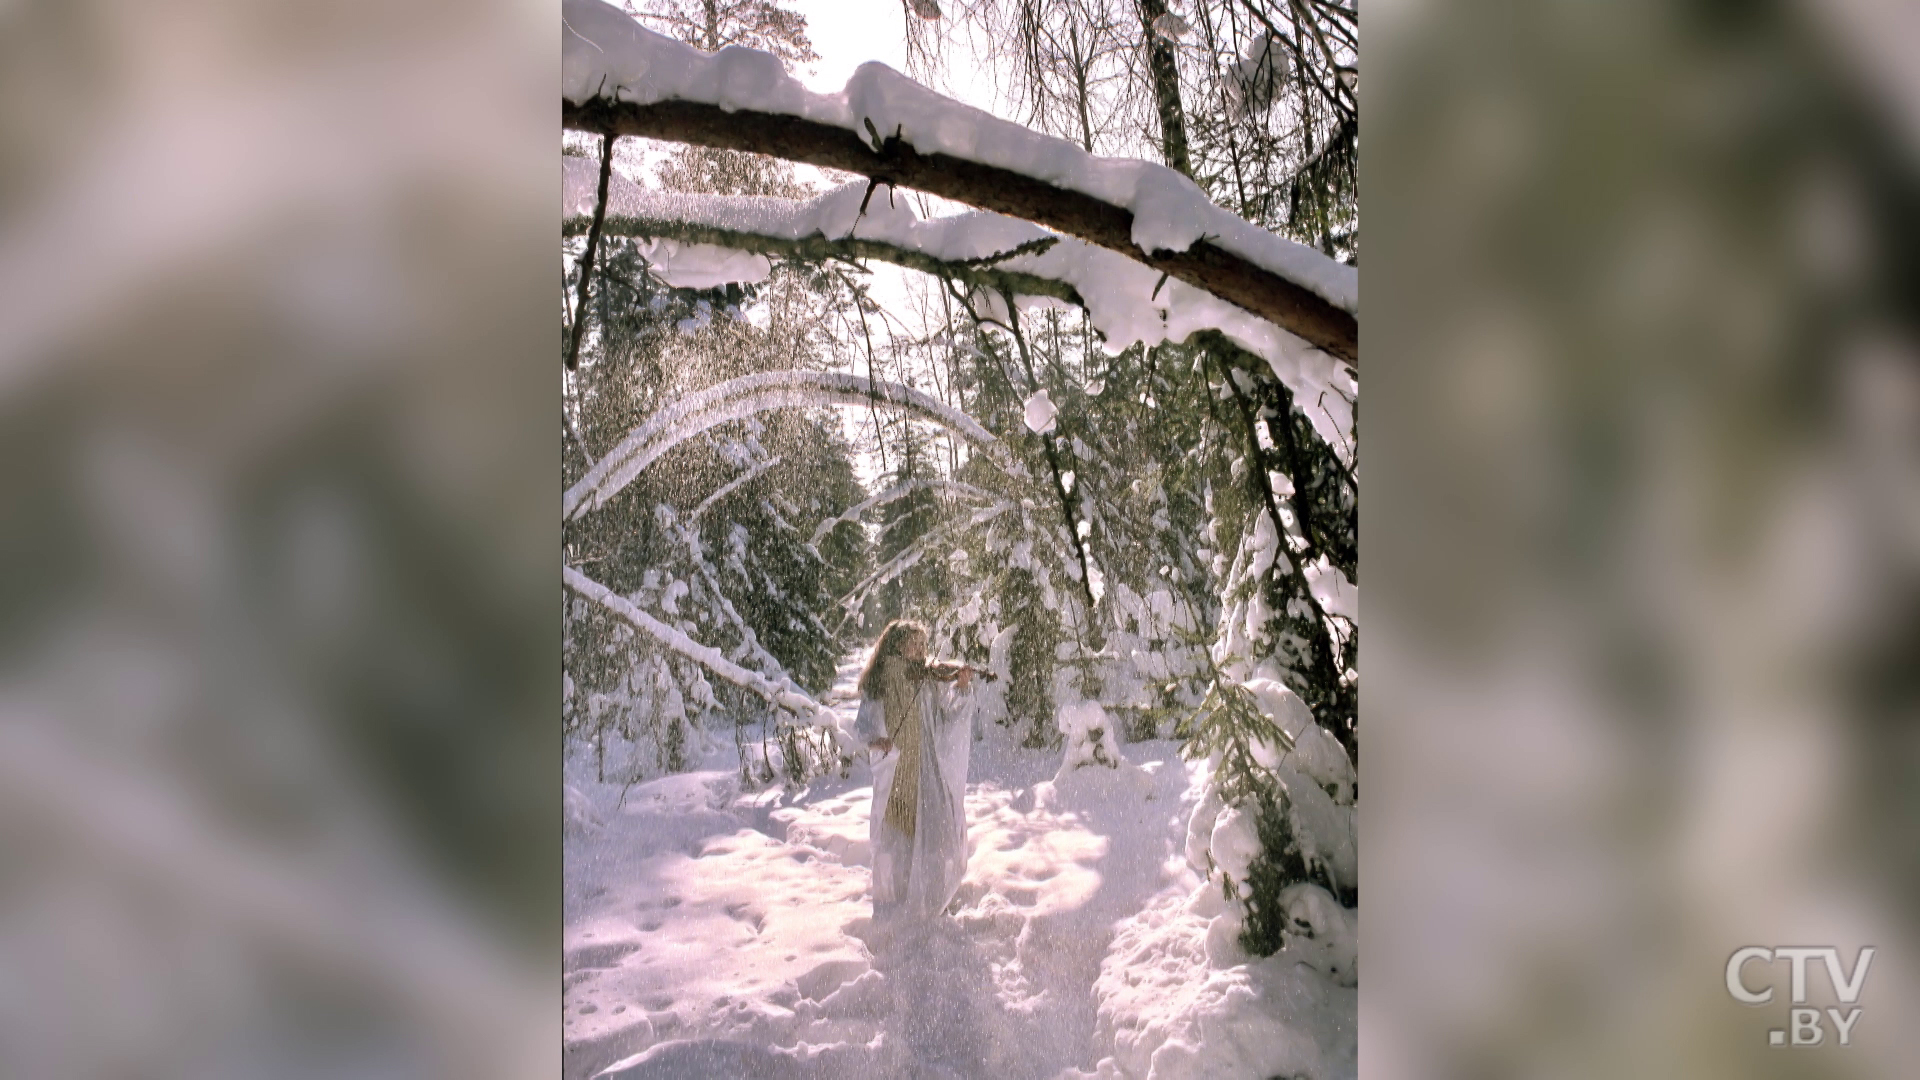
<point x="716" y="932"/>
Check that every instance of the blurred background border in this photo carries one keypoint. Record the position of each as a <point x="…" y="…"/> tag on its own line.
<point x="1644" y="529"/>
<point x="279" y="630"/>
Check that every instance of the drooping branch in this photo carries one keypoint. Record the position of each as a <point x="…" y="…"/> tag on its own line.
<point x="784" y="697"/>
<point x="731" y="486"/>
<point x="1326" y="484"/>
<point x="914" y="552"/>
<point x="674" y="423"/>
<point x="1127" y="302"/>
<point x="894" y="494"/>
<point x="1051" y="446"/>
<point x="1319" y="685"/>
<point x="1325" y="498"/>
<point x="689" y="537"/>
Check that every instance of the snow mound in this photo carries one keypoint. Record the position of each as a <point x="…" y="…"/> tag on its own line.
<point x="1172" y="1014"/>
<point x="1316" y="753"/>
<point x="1090" y="736"/>
<point x="703" y="266"/>
<point x="681" y="1058"/>
<point x="1234" y="843"/>
<point x="1040" y="413"/>
<point x="580" y="818"/>
<point x="1321" y="933"/>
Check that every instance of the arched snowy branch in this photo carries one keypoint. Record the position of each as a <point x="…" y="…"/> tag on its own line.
<point x="731" y="486"/>
<point x="786" y="697"/>
<point x="621" y="78"/>
<point x="987" y="252"/>
<point x="681" y="420"/>
<point x="893" y="494"/>
<point x="907" y="559"/>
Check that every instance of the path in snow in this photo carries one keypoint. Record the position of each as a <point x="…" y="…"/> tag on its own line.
<point x="711" y="932"/>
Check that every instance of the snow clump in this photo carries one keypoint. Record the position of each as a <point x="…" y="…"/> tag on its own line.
<point x="1041" y="413"/>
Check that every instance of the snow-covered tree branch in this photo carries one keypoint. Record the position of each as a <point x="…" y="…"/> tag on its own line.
<point x="620" y="78"/>
<point x="786" y="697"/>
<point x="991" y="254"/>
<point x="894" y="494"/>
<point x="745" y="396"/>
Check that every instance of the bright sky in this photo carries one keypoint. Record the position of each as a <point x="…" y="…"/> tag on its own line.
<point x="846" y="34"/>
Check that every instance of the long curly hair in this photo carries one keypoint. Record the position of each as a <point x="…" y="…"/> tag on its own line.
<point x="891" y="640"/>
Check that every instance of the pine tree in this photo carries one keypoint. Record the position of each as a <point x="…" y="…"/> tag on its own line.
<point x="716" y="539"/>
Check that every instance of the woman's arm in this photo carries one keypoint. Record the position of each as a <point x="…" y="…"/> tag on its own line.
<point x="946" y="672"/>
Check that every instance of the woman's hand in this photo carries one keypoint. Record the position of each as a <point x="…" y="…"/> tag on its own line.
<point x="885" y="746"/>
<point x="966" y="677"/>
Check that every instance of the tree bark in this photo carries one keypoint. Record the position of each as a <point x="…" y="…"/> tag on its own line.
<point x="586" y="257"/>
<point x="1205" y="265"/>
<point x="1166" y="90"/>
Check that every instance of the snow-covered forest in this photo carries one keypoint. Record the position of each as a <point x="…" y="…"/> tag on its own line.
<point x="1071" y="375"/>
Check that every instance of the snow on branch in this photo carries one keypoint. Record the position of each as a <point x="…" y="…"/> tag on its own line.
<point x="694" y="413"/>
<point x="692" y="236"/>
<point x="895" y="493"/>
<point x="621" y="78"/>
<point x="781" y="696"/>
<point x="911" y="557"/>
<point x="690" y="538"/>
<point x="1128" y="303"/>
<point x="731" y="486"/>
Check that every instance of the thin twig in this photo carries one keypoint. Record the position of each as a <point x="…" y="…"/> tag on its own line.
<point x="586" y="257"/>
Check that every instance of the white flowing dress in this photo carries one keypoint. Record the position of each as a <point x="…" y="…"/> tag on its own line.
<point x="915" y="877"/>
